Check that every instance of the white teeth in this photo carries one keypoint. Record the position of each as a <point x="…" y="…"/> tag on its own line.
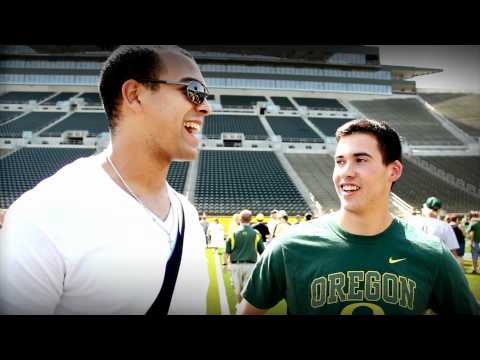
<point x="350" y="187"/>
<point x="193" y="126"/>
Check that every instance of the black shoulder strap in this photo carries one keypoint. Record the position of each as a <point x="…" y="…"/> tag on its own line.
<point x="162" y="303"/>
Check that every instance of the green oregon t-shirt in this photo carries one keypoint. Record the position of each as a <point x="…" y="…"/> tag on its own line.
<point x="321" y="269"/>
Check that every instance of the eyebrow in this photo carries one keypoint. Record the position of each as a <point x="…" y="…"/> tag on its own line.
<point x="356" y="155"/>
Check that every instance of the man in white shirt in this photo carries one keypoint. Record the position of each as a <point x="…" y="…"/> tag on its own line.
<point x="430" y="224"/>
<point x="107" y="234"/>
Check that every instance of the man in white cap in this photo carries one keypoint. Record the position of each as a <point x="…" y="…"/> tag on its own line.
<point x="430" y="224"/>
<point x="283" y="225"/>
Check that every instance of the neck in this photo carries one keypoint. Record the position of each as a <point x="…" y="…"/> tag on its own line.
<point x="144" y="173"/>
<point x="369" y="224"/>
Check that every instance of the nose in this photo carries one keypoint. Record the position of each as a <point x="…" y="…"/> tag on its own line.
<point x="347" y="170"/>
<point x="205" y="108"/>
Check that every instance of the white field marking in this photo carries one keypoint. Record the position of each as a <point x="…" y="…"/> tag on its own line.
<point x="224" y="309"/>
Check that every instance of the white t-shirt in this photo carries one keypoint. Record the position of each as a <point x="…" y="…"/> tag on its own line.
<point x="435" y="227"/>
<point x="79" y="244"/>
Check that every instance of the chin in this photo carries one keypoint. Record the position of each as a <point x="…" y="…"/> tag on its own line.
<point x="188" y="155"/>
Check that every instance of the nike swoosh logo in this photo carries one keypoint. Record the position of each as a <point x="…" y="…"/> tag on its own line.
<point x="394" y="261"/>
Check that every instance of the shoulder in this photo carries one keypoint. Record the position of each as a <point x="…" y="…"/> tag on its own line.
<point x="318" y="230"/>
<point x="58" y="189"/>
<point x="418" y="238"/>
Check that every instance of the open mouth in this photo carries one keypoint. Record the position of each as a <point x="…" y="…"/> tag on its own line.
<point x="349" y="188"/>
<point x="192" y="127"/>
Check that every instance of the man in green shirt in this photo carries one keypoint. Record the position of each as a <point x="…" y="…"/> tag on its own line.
<point x="361" y="259"/>
<point x="474" y="231"/>
<point x="241" y="249"/>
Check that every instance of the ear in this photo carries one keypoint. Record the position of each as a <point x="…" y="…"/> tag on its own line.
<point x="396" y="169"/>
<point x="131" y="90"/>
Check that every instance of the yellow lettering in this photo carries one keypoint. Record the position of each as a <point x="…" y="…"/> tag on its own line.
<point x="390" y="288"/>
<point x="349" y="309"/>
<point x="354" y="278"/>
<point x="318" y="292"/>
<point x="336" y="282"/>
<point x="372" y="285"/>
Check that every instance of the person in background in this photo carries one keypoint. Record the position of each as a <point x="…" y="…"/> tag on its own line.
<point x="474" y="231"/>
<point x="430" y="224"/>
<point x="242" y="250"/>
<point x="273" y="221"/>
<point x="262" y="228"/>
<point x="283" y="225"/>
<point x="452" y="220"/>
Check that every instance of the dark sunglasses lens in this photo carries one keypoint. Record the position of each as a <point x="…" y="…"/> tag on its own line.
<point x="197" y="92"/>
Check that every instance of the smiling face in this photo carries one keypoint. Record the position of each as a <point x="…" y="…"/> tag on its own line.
<point x="361" y="179"/>
<point x="171" y="122"/>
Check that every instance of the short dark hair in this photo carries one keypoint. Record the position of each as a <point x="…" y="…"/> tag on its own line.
<point x="388" y="139"/>
<point x="130" y="62"/>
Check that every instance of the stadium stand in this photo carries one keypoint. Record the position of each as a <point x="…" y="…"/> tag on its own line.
<point x="8" y="115"/>
<point x="316" y="170"/>
<point x="19" y="97"/>
<point x="293" y="129"/>
<point x="91" y="99"/>
<point x="63" y="96"/>
<point x="416" y="184"/>
<point x="461" y="109"/>
<point x="25" y="168"/>
<point x="463" y="167"/>
<point x="94" y="122"/>
<point x="250" y="125"/>
<point x="177" y="174"/>
<point x="240" y="102"/>
<point x="229" y="181"/>
<point x="320" y="104"/>
<point x="33" y="121"/>
<point x="283" y="102"/>
<point x="410" y="118"/>
<point x="436" y="98"/>
<point x="328" y="126"/>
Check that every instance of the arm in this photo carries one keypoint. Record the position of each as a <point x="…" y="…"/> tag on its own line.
<point x="245" y="308"/>
<point x="451" y="293"/>
<point x="32" y="269"/>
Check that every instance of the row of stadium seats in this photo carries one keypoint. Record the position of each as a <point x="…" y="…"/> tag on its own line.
<point x="416" y="184"/>
<point x="231" y="180"/>
<point x="410" y="118"/>
<point x="25" y="168"/>
<point x="461" y="109"/>
<point x="235" y="180"/>
<point x="462" y="167"/>
<point x="227" y="101"/>
<point x="23" y="97"/>
<point x="291" y="128"/>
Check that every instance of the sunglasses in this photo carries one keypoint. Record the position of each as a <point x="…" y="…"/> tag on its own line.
<point x="196" y="92"/>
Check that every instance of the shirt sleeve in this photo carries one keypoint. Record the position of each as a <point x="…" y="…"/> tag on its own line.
<point x="267" y="284"/>
<point x="228" y="244"/>
<point x="451" y="293"/>
<point x="259" y="243"/>
<point x="452" y="242"/>
<point x="32" y="270"/>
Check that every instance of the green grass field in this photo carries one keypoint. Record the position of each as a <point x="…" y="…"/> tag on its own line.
<point x="213" y="307"/>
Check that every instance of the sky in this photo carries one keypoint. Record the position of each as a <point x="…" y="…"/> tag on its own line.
<point x="460" y="64"/>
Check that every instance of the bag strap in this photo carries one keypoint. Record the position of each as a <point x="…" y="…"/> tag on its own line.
<point x="162" y="303"/>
